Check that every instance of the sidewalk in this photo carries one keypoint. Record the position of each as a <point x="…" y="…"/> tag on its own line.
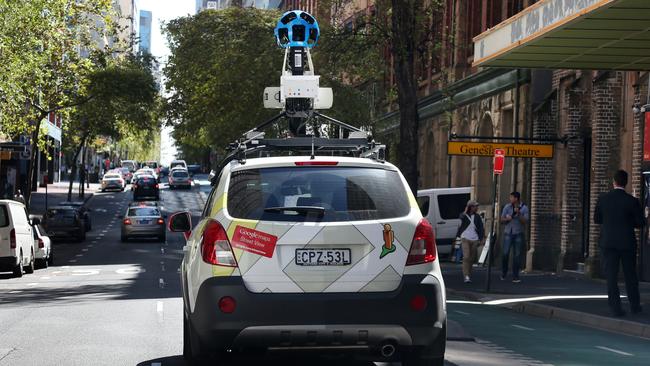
<point x="568" y="297"/>
<point x="58" y="192"/>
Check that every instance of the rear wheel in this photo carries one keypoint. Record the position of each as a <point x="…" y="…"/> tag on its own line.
<point x="18" y="269"/>
<point x="41" y="263"/>
<point x="191" y="347"/>
<point x="30" y="267"/>
<point x="50" y="258"/>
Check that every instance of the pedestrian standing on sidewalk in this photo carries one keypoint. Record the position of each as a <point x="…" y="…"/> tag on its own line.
<point x="618" y="214"/>
<point x="471" y="232"/>
<point x="515" y="216"/>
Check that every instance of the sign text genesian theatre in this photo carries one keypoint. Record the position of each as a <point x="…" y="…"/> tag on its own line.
<point x="512" y="150"/>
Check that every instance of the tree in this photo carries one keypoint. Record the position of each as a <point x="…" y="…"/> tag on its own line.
<point x="48" y="49"/>
<point x="220" y="63"/>
<point x="122" y="102"/>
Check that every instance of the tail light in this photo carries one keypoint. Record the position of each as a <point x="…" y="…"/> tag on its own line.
<point x="127" y="221"/>
<point x="135" y="185"/>
<point x="316" y="163"/>
<point x="423" y="247"/>
<point x="41" y="243"/>
<point x="12" y="239"/>
<point x="215" y="247"/>
<point x="157" y="186"/>
<point x="161" y="222"/>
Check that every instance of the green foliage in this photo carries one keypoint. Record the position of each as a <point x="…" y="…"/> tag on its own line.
<point x="220" y="63"/>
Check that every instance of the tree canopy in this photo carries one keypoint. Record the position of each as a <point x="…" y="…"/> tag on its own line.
<point x="220" y="63"/>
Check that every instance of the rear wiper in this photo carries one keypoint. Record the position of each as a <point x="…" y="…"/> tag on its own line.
<point x="302" y="210"/>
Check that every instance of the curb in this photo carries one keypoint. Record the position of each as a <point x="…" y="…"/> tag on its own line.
<point x="599" y="322"/>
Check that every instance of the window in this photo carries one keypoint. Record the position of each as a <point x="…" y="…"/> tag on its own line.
<point x="452" y="205"/>
<point x="143" y="211"/>
<point x="423" y="203"/>
<point x="180" y="174"/>
<point x="318" y="193"/>
<point x="4" y="216"/>
<point x="19" y="216"/>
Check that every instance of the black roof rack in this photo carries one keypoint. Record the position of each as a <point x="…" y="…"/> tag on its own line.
<point x="358" y="143"/>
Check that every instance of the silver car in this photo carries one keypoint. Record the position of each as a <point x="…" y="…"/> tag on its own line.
<point x="143" y="221"/>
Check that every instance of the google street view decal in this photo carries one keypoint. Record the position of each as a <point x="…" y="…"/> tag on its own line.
<point x="254" y="241"/>
<point x="389" y="238"/>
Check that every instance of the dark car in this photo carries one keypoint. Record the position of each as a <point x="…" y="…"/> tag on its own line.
<point x="164" y="171"/>
<point x="64" y="222"/>
<point x="85" y="212"/>
<point x="194" y="168"/>
<point x="146" y="187"/>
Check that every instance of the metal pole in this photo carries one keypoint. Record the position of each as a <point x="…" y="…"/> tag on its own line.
<point x="491" y="238"/>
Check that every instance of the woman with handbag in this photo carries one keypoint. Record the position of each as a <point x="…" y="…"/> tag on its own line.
<point x="471" y="232"/>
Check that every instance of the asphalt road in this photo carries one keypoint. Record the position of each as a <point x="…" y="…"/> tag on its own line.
<point x="110" y="303"/>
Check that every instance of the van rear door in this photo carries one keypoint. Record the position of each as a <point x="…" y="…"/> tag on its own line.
<point x="447" y="207"/>
<point x="5" y="229"/>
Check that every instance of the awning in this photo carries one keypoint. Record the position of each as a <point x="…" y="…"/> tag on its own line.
<point x="570" y="34"/>
<point x="463" y="92"/>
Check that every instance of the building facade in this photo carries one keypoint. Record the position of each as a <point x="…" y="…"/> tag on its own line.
<point x="223" y="4"/>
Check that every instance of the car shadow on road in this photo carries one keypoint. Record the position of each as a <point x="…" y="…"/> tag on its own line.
<point x="180" y="361"/>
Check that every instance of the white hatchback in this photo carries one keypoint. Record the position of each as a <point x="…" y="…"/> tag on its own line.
<point x="16" y="239"/>
<point x="324" y="254"/>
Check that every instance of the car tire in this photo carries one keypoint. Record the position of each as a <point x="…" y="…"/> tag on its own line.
<point x="162" y="238"/>
<point x="191" y="345"/>
<point x="18" y="269"/>
<point x="31" y="266"/>
<point x="41" y="263"/>
<point x="50" y="258"/>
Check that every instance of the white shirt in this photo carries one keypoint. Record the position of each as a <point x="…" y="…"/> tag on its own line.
<point x="470" y="233"/>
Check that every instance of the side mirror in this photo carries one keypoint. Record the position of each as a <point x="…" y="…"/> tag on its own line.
<point x="180" y="222"/>
<point x="36" y="221"/>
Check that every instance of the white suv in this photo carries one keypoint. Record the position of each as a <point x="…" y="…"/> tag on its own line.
<point x="323" y="254"/>
<point x="16" y="239"/>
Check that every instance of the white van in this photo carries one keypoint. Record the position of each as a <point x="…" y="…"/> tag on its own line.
<point x="16" y="239"/>
<point x="177" y="164"/>
<point x="442" y="207"/>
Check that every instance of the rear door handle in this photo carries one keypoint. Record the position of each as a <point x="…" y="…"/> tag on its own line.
<point x="441" y="222"/>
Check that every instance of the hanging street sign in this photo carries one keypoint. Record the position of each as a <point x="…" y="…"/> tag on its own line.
<point x="512" y="150"/>
<point x="499" y="161"/>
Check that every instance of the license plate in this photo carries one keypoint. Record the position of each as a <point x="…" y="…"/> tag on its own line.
<point x="323" y="257"/>
<point x="144" y="222"/>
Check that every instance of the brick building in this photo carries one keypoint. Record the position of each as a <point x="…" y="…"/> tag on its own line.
<point x="587" y="114"/>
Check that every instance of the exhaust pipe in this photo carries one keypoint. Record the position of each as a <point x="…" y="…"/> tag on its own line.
<point x="387" y="350"/>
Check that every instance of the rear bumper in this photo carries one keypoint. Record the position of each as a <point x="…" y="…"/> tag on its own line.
<point x="8" y="263"/>
<point x="131" y="231"/>
<point x="54" y="233"/>
<point x="357" y="322"/>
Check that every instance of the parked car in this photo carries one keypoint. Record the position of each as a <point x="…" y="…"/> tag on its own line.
<point x="64" y="222"/>
<point x="143" y="220"/>
<point x="442" y="207"/>
<point x="42" y="246"/>
<point x="112" y="181"/>
<point x="146" y="187"/>
<point x="85" y="212"/>
<point x="194" y="169"/>
<point x="178" y="163"/>
<point x="338" y="243"/>
<point x="17" y="252"/>
<point x="179" y="178"/>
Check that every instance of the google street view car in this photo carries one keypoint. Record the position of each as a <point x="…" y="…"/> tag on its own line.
<point x="311" y="244"/>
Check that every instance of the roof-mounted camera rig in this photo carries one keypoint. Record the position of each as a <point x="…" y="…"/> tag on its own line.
<point x="299" y="97"/>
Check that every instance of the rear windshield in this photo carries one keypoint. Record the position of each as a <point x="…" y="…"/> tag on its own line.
<point x="4" y="216"/>
<point x="318" y="194"/>
<point x="112" y="176"/>
<point x="146" y="180"/>
<point x="181" y="174"/>
<point x="143" y="211"/>
<point x="152" y="164"/>
<point x="60" y="213"/>
<point x="172" y="165"/>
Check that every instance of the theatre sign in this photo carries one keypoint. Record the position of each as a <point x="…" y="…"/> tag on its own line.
<point x="570" y="34"/>
<point x="541" y="151"/>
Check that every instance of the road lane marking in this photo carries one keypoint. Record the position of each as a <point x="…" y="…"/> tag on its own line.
<point x="79" y="255"/>
<point x="32" y="284"/>
<point x="45" y="278"/>
<point x="161" y="283"/>
<point x="131" y="270"/>
<point x="85" y="272"/>
<point x="461" y="312"/>
<point x="56" y="272"/>
<point x="521" y="327"/>
<point x="614" y="350"/>
<point x="72" y="261"/>
<point x="65" y="267"/>
<point x="84" y="249"/>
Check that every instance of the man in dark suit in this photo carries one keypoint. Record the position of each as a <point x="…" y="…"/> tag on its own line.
<point x="619" y="214"/>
